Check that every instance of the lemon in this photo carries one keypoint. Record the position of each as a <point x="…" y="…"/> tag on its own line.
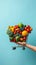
<point x="12" y="29"/>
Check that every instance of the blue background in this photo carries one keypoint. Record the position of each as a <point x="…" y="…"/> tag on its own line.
<point x="13" y="12"/>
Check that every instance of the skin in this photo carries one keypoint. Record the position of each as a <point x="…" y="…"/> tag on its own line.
<point x="27" y="45"/>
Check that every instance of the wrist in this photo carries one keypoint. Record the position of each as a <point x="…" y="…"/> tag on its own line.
<point x="24" y="44"/>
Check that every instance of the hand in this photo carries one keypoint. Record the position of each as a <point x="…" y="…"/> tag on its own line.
<point x="27" y="45"/>
<point x="22" y="43"/>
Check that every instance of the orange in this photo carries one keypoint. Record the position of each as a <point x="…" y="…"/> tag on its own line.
<point x="24" y="33"/>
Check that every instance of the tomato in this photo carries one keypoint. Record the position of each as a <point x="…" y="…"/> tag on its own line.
<point x="15" y="32"/>
<point x="25" y="37"/>
<point x="28" y="30"/>
<point x="21" y="39"/>
<point x="25" y="28"/>
<point x="28" y="26"/>
<point x="20" y="32"/>
<point x="16" y="26"/>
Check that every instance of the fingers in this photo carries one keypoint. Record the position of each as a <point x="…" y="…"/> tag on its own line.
<point x="19" y="43"/>
<point x="22" y="43"/>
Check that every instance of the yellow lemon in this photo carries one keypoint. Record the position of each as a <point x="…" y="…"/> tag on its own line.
<point x="12" y="29"/>
<point x="24" y="33"/>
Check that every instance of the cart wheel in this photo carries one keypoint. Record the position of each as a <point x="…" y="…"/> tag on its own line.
<point x="23" y="48"/>
<point x="14" y="48"/>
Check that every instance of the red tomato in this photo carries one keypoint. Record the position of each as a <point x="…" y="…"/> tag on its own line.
<point x="15" y="32"/>
<point x="16" y="26"/>
<point x="21" y="39"/>
<point x="25" y="38"/>
<point x="25" y="28"/>
<point x="28" y="30"/>
<point x="17" y="29"/>
<point x="20" y="32"/>
<point x="28" y="26"/>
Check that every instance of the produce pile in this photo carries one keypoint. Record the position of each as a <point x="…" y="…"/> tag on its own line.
<point x="18" y="33"/>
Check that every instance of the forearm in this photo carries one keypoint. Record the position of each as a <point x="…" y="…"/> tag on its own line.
<point x="31" y="47"/>
<point x="27" y="45"/>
